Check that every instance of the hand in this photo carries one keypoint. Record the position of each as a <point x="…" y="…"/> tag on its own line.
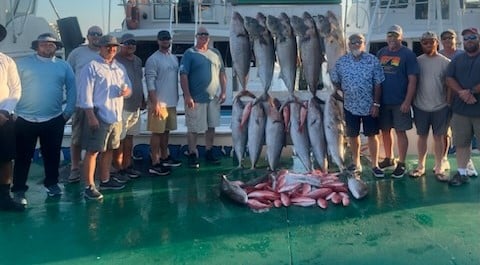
<point x="405" y="107"/>
<point x="124" y="91"/>
<point x="222" y="97"/>
<point x="374" y="110"/>
<point x="93" y="123"/>
<point x="189" y="102"/>
<point x="466" y="96"/>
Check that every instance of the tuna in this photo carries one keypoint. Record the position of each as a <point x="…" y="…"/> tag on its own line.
<point x="240" y="49"/>
<point x="285" y="47"/>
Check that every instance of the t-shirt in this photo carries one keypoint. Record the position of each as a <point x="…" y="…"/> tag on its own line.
<point x="457" y="52"/>
<point x="203" y="70"/>
<point x="397" y="66"/>
<point x="431" y="92"/>
<point x="135" y="73"/>
<point x="466" y="70"/>
<point x="161" y="74"/>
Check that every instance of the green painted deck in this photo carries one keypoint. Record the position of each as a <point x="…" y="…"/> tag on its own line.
<point x="182" y="219"/>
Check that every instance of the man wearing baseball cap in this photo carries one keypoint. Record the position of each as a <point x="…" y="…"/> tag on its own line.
<point x="401" y="69"/>
<point x="10" y="91"/>
<point x="464" y="81"/>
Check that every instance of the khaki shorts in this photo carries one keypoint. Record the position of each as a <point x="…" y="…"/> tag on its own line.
<point x="77" y="126"/>
<point x="107" y="136"/>
<point x="130" y="123"/>
<point x="203" y="116"/>
<point x="157" y="125"/>
<point x="463" y="129"/>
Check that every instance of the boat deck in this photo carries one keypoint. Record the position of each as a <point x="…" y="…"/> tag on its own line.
<point x="182" y="219"/>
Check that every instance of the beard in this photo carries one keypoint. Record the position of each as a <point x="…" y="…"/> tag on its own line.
<point x="357" y="53"/>
<point x="471" y="49"/>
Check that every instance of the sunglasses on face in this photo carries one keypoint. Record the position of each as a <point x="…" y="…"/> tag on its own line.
<point x="164" y="38"/>
<point x="95" y="34"/>
<point x="392" y="35"/>
<point x="447" y="38"/>
<point x="202" y="34"/>
<point x="470" y="37"/>
<point x="427" y="42"/>
<point x="356" y="42"/>
<point x="130" y="42"/>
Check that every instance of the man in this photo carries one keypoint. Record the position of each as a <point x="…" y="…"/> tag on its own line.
<point x="103" y="84"/>
<point x="359" y="75"/>
<point x="78" y="58"/>
<point x="131" y="108"/>
<point x="201" y="73"/>
<point x="401" y="69"/>
<point x="464" y="81"/>
<point x="45" y="79"/>
<point x="449" y="43"/>
<point x="161" y="74"/>
<point x="430" y="105"/>
<point x="10" y="91"/>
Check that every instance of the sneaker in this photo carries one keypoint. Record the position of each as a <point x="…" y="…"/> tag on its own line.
<point x="193" y="161"/>
<point x="458" y="180"/>
<point x="170" y="162"/>
<point x="387" y="163"/>
<point x="399" y="170"/>
<point x="377" y="172"/>
<point x="92" y="193"/>
<point x="74" y="176"/>
<point x="19" y="197"/>
<point x="111" y="184"/>
<point x="9" y="205"/>
<point x="211" y="158"/>
<point x="54" y="190"/>
<point x="159" y="170"/>
<point x="131" y="172"/>
<point x="471" y="171"/>
<point x="120" y="176"/>
<point x="355" y="169"/>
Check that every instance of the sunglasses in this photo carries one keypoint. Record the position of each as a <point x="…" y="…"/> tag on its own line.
<point x="470" y="37"/>
<point x="392" y="35"/>
<point x="95" y="34"/>
<point x="202" y="34"/>
<point x="164" y="38"/>
<point x="356" y="42"/>
<point x="427" y="42"/>
<point x="130" y="42"/>
<point x="447" y="38"/>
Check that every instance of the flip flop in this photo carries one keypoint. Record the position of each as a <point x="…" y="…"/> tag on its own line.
<point x="442" y="177"/>
<point x="417" y="173"/>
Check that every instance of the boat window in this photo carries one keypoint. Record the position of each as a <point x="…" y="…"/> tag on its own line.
<point x="390" y="3"/>
<point x="421" y="9"/>
<point x="22" y="8"/>
<point x="470" y="3"/>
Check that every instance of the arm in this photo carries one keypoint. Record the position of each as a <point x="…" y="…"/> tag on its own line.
<point x="85" y="101"/>
<point x="223" y="86"/>
<point x="14" y="86"/>
<point x="464" y="94"/>
<point x="71" y="93"/>
<point x="411" y="89"/>
<point x="186" y="91"/>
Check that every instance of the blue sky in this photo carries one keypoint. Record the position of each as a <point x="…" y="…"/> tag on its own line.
<point x="88" y="12"/>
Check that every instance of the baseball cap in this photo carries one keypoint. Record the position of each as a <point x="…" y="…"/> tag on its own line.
<point x="108" y="40"/>
<point x="429" y="35"/>
<point x="356" y="36"/>
<point x="126" y="37"/>
<point x="164" y="35"/>
<point x="395" y="29"/>
<point x="448" y="31"/>
<point x="470" y="30"/>
<point x="95" y="30"/>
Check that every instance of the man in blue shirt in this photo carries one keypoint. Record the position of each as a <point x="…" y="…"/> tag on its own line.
<point x="401" y="69"/>
<point x="359" y="75"/>
<point x="45" y="79"/>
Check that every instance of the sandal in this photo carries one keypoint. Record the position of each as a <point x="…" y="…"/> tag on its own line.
<point x="442" y="177"/>
<point x="417" y="173"/>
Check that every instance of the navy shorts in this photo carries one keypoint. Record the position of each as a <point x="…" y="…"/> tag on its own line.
<point x="439" y="121"/>
<point x="370" y="124"/>
<point x="392" y="117"/>
<point x="7" y="141"/>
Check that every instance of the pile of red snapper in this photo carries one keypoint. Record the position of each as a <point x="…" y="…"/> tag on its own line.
<point x="288" y="188"/>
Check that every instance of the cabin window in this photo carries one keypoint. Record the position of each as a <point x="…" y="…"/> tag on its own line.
<point x="161" y="9"/>
<point x="470" y="3"/>
<point x="390" y="3"/>
<point x="421" y="9"/>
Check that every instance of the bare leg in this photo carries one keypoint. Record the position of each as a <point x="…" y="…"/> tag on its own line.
<point x="89" y="165"/>
<point x="373" y="148"/>
<point x="117" y="156"/>
<point x="209" y="136"/>
<point x="155" y="146"/>
<point x="387" y="142"/>
<point x="422" y="151"/>
<point x="75" y="153"/>
<point x="355" y="146"/>
<point x="164" y="145"/>
<point x="463" y="155"/>
<point x="127" y="151"/>
<point x="402" y="145"/>
<point x="192" y="142"/>
<point x="105" y="162"/>
<point x="6" y="172"/>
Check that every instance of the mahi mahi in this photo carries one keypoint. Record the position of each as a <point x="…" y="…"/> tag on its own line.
<point x="240" y="49"/>
<point x="286" y="48"/>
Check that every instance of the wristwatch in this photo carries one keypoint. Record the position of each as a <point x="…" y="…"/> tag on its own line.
<point x="376" y="104"/>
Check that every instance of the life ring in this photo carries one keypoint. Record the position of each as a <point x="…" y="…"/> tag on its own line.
<point x="132" y="15"/>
